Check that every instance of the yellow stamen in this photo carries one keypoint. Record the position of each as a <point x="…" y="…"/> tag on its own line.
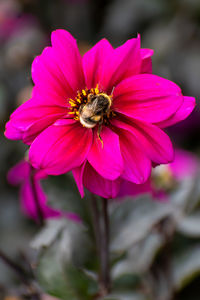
<point x="72" y="104"/>
<point x="96" y="89"/>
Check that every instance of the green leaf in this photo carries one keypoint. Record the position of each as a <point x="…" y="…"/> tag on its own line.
<point x="186" y="266"/>
<point x="190" y="225"/>
<point x="125" y="296"/>
<point x="48" y="233"/>
<point x="63" y="257"/>
<point x="139" y="257"/>
<point x="133" y="219"/>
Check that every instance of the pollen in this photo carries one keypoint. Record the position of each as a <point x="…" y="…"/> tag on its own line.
<point x="81" y="99"/>
<point x="91" y="107"/>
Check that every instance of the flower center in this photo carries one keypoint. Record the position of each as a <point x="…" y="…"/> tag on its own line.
<point x="91" y="107"/>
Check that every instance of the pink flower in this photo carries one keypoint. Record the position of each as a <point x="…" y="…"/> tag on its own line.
<point x="164" y="177"/>
<point x="99" y="115"/>
<point x="33" y="199"/>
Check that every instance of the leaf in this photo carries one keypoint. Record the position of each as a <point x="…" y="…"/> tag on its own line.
<point x="125" y="296"/>
<point x="139" y="257"/>
<point x="186" y="266"/>
<point x="190" y="225"/>
<point x="132" y="220"/>
<point x="61" y="262"/>
<point x="187" y="196"/>
<point x="48" y="234"/>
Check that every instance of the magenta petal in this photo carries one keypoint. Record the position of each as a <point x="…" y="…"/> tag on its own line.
<point x="19" y="172"/>
<point x="106" y="158"/>
<point x="153" y="141"/>
<point x="128" y="188"/>
<point x="47" y="97"/>
<point x="123" y="62"/>
<point x="45" y="210"/>
<point x="46" y="74"/>
<point x="185" y="164"/>
<point x="137" y="166"/>
<point x="59" y="149"/>
<point x="38" y="126"/>
<point x="28" y="205"/>
<point x="182" y="113"/>
<point x="92" y="62"/>
<point x="37" y="113"/>
<point x="96" y="184"/>
<point x="12" y="133"/>
<point x="36" y="208"/>
<point x="68" y="58"/>
<point x="146" y="66"/>
<point x="147" y="97"/>
<point x="78" y="176"/>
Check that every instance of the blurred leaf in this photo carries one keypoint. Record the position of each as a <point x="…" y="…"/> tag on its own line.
<point x="48" y="233"/>
<point x="186" y="266"/>
<point x="139" y="257"/>
<point x="125" y="296"/>
<point x="60" y="265"/>
<point x="190" y="225"/>
<point x="133" y="219"/>
<point x="126" y="282"/>
<point x="187" y="196"/>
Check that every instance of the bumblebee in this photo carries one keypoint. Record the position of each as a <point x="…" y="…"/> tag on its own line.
<point x="95" y="110"/>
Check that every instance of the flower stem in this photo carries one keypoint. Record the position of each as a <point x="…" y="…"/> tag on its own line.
<point x="104" y="250"/>
<point x="101" y="231"/>
<point x="26" y="278"/>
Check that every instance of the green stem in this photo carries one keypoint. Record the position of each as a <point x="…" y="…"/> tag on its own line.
<point x="104" y="251"/>
<point x="101" y="231"/>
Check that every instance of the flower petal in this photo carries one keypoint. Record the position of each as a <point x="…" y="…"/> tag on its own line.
<point x="46" y="74"/>
<point x="69" y="58"/>
<point x="78" y="176"/>
<point x="38" y="126"/>
<point x="137" y="166"/>
<point x="146" y="66"/>
<point x="153" y="141"/>
<point x="128" y="188"/>
<point x="96" y="184"/>
<point x="123" y="62"/>
<point x="39" y="209"/>
<point x="106" y="157"/>
<point x="30" y="115"/>
<point x="92" y="62"/>
<point x="185" y="164"/>
<point x="19" y="172"/>
<point x="59" y="149"/>
<point x="28" y="204"/>
<point x="147" y="97"/>
<point x="182" y="113"/>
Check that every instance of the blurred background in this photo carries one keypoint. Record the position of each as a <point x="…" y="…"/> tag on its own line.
<point x="171" y="28"/>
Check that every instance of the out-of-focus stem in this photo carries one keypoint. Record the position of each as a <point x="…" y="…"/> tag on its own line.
<point x="25" y="278"/>
<point x="15" y="267"/>
<point x="96" y="222"/>
<point x="104" y="251"/>
<point x="101" y="230"/>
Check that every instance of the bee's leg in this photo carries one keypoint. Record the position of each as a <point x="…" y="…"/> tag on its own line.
<point x="99" y="131"/>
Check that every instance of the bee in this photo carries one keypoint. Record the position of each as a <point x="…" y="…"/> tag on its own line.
<point x="95" y="110"/>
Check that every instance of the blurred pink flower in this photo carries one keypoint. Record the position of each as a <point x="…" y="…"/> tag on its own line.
<point x="164" y="177"/>
<point x="33" y="198"/>
<point x="65" y="129"/>
<point x="13" y="24"/>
